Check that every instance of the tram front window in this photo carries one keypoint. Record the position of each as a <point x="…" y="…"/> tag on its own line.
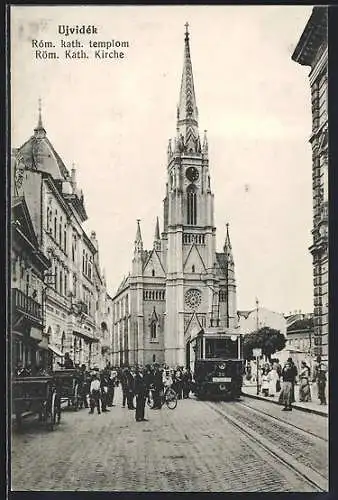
<point x="225" y="348"/>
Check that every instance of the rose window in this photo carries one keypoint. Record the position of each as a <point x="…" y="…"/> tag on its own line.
<point x="193" y="298"/>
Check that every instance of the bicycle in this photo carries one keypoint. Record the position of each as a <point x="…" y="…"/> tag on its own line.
<point x="168" y="397"/>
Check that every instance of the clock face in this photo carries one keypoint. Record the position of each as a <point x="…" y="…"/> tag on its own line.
<point x="192" y="174"/>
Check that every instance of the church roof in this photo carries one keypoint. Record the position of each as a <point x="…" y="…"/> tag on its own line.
<point x="38" y="153"/>
<point x="123" y="284"/>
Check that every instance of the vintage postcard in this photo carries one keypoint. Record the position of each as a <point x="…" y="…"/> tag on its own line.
<point x="169" y="248"/>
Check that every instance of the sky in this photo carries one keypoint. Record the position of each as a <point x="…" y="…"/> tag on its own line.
<point x="113" y="119"/>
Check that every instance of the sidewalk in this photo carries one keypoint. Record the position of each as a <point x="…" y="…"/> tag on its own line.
<point x="310" y="407"/>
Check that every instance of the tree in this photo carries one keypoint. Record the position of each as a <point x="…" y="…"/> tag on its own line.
<point x="268" y="339"/>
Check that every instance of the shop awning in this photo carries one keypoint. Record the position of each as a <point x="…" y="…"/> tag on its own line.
<point x="36" y="334"/>
<point x="88" y="336"/>
<point x="55" y="350"/>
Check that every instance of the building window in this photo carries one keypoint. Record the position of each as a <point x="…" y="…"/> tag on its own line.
<point x="60" y="232"/>
<point x="153" y="272"/>
<point x="153" y="330"/>
<point x="191" y="205"/>
<point x="65" y="238"/>
<point x="154" y="358"/>
<point x="63" y="339"/>
<point x="193" y="269"/>
<point x="66" y="283"/>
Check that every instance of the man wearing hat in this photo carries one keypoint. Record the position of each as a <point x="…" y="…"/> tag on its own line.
<point x="95" y="394"/>
<point x="141" y="389"/>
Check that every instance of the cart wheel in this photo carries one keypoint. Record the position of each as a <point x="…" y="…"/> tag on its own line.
<point x="51" y="412"/>
<point x="58" y="409"/>
<point x="171" y="399"/>
<point x="76" y="397"/>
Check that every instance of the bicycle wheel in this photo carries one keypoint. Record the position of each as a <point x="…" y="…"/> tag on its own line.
<point x="150" y="399"/>
<point x="170" y="398"/>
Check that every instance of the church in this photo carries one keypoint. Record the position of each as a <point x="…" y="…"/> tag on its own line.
<point x="182" y="285"/>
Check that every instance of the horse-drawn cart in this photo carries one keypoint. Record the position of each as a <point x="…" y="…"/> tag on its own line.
<point x="37" y="395"/>
<point x="68" y="383"/>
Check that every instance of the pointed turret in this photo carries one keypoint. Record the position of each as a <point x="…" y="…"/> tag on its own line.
<point x="39" y="130"/>
<point x="227" y="246"/>
<point x="138" y="239"/>
<point x="187" y="112"/>
<point x="205" y="147"/>
<point x="157" y="238"/>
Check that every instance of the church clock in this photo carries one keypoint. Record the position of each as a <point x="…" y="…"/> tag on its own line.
<point x="192" y="174"/>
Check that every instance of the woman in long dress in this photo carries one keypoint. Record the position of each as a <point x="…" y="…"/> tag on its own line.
<point x="289" y="374"/>
<point x="273" y="378"/>
<point x="304" y="380"/>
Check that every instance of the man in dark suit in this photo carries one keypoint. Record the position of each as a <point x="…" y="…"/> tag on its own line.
<point x="141" y="389"/>
<point x="158" y="387"/>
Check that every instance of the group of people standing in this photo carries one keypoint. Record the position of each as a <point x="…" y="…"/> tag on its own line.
<point x="274" y="374"/>
<point x="136" y="383"/>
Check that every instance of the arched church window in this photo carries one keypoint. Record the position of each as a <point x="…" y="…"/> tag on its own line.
<point x="153" y="330"/>
<point x="191" y="205"/>
<point x="153" y="272"/>
<point x="193" y="268"/>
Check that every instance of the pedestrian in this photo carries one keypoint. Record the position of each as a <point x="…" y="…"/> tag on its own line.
<point x="141" y="389"/>
<point x="289" y="374"/>
<point x="273" y="378"/>
<point x="83" y="387"/>
<point x="95" y="394"/>
<point x="130" y="389"/>
<point x="158" y="387"/>
<point x="179" y="382"/>
<point x="319" y="376"/>
<point x="304" y="381"/>
<point x="186" y="382"/>
<point x="112" y="375"/>
<point x="265" y="382"/>
<point x="104" y="379"/>
<point x="276" y="366"/>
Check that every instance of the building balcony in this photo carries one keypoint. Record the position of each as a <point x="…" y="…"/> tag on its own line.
<point x="27" y="306"/>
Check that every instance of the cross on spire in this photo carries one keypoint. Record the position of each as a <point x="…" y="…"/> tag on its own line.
<point x="186" y="28"/>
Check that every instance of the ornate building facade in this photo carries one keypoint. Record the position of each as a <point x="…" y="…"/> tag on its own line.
<point x="182" y="285"/>
<point x="312" y="51"/>
<point x="74" y="296"/>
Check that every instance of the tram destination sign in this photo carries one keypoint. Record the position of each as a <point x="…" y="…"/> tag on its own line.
<point x="257" y="353"/>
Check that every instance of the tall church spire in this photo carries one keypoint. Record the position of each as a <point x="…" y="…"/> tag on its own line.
<point x="187" y="113"/>
<point x="157" y="238"/>
<point x="227" y="246"/>
<point x="39" y="130"/>
<point x="138" y="238"/>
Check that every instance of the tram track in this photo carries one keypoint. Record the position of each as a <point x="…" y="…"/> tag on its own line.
<point x="283" y="422"/>
<point x="263" y="444"/>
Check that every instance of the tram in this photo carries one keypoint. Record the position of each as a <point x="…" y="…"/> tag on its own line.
<point x="217" y="364"/>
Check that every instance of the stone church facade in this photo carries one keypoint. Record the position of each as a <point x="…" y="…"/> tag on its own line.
<point x="182" y="285"/>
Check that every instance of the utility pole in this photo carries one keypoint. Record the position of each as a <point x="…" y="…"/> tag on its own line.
<point x="257" y="319"/>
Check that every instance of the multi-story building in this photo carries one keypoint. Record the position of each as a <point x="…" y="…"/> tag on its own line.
<point x="299" y="333"/>
<point x="260" y="317"/>
<point x="312" y="51"/>
<point x="181" y="285"/>
<point x="28" y="269"/>
<point x="56" y="206"/>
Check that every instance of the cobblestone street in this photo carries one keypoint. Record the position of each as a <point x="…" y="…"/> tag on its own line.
<point x="192" y="448"/>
